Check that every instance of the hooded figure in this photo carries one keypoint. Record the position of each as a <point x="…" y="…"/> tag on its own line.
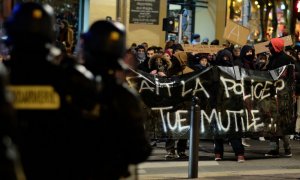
<point x="279" y="57"/>
<point x="159" y="65"/>
<point x="180" y="64"/>
<point x="247" y="57"/>
<point x="224" y="58"/>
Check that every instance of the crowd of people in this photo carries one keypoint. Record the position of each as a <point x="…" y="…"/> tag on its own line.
<point x="172" y="60"/>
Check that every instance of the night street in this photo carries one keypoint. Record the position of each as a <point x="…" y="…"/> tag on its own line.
<point x="256" y="166"/>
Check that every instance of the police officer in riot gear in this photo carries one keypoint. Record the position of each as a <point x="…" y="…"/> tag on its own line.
<point x="54" y="103"/>
<point x="121" y="119"/>
<point x="7" y="132"/>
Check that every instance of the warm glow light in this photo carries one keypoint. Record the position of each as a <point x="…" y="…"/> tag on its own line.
<point x="298" y="6"/>
<point x="256" y="2"/>
<point x="269" y="4"/>
<point x="239" y="1"/>
<point x="258" y="6"/>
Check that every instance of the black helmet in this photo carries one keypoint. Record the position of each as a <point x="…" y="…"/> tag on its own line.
<point x="29" y="23"/>
<point x="104" y="44"/>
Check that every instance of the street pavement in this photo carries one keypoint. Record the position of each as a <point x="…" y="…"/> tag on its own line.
<point x="256" y="166"/>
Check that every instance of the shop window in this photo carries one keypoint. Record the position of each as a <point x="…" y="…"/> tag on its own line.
<point x="266" y="18"/>
<point x="67" y="10"/>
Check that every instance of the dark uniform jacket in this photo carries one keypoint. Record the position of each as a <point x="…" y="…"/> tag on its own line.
<point x="51" y="102"/>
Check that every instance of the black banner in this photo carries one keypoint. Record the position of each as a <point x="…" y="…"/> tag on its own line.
<point x="144" y="12"/>
<point x="233" y="102"/>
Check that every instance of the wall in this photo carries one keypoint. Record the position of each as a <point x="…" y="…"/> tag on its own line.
<point x="101" y="9"/>
<point x="138" y="33"/>
<point x="210" y="22"/>
<point x="152" y="34"/>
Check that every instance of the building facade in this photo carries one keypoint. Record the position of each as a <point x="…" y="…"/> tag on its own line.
<point x="144" y="18"/>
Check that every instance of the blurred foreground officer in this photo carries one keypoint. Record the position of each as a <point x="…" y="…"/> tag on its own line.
<point x="8" y="153"/>
<point x="52" y="101"/>
<point x="123" y="140"/>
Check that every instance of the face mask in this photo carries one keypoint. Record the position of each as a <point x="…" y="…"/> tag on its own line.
<point x="249" y="57"/>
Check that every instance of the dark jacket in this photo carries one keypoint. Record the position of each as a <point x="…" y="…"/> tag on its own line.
<point x="247" y="60"/>
<point x="220" y="58"/>
<point x="49" y="138"/>
<point x="7" y="131"/>
<point x="279" y="59"/>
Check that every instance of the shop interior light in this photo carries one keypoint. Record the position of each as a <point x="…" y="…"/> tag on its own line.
<point x="269" y="4"/>
<point x="282" y="6"/>
<point x="258" y="6"/>
<point x="256" y="2"/>
<point x="239" y="1"/>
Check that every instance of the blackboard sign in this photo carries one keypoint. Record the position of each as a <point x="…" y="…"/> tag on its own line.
<point x="144" y="12"/>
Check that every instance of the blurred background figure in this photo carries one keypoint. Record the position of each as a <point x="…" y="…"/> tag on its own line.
<point x="185" y="39"/>
<point x="66" y="36"/>
<point x="196" y="39"/>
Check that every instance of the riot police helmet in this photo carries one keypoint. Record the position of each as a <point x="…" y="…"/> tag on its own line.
<point x="30" y="23"/>
<point x="104" y="44"/>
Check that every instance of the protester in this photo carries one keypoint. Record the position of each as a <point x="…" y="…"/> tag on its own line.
<point x="278" y="59"/>
<point x="180" y="64"/>
<point x="122" y="140"/>
<point x="140" y="54"/>
<point x="224" y="58"/>
<point x="201" y="62"/>
<point x="236" y="54"/>
<point x="261" y="62"/>
<point x="196" y="39"/>
<point x="185" y="39"/>
<point x="205" y="41"/>
<point x="159" y="65"/>
<point x="144" y="66"/>
<point x="247" y="61"/>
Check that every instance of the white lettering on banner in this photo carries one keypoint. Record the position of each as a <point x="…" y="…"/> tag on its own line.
<point x="145" y="86"/>
<point x="177" y="122"/>
<point x="183" y="89"/>
<point x="259" y="90"/>
<point x="163" y="85"/>
<point x="252" y="121"/>
<point x="279" y="88"/>
<point x="198" y="83"/>
<point x="233" y="86"/>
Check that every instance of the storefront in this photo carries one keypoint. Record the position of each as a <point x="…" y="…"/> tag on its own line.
<point x="265" y="18"/>
<point x="73" y="11"/>
<point x="203" y="17"/>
